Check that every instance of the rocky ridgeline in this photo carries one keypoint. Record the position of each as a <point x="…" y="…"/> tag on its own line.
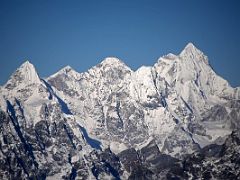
<point x="175" y="120"/>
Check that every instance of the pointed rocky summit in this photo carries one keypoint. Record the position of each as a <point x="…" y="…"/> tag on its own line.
<point x="26" y="74"/>
<point x="192" y="52"/>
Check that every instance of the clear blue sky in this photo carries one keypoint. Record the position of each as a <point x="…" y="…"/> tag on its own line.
<point x="54" y="33"/>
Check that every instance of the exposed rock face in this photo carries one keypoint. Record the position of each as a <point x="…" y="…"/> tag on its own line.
<point x="177" y="119"/>
<point x="212" y="162"/>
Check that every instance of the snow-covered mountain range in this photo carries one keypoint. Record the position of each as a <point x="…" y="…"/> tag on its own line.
<point x="115" y="123"/>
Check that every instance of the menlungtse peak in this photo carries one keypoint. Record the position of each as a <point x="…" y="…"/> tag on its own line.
<point x="26" y="63"/>
<point x="26" y="74"/>
<point x="192" y="52"/>
<point x="190" y="48"/>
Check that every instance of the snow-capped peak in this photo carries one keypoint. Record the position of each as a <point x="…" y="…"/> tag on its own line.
<point x="26" y="63"/>
<point x="113" y="61"/>
<point x="190" y="52"/>
<point x="29" y="72"/>
<point x="26" y="74"/>
<point x="190" y="45"/>
<point x="190" y="49"/>
<point x="27" y="66"/>
<point x="68" y="67"/>
<point x="68" y="71"/>
<point x="170" y="56"/>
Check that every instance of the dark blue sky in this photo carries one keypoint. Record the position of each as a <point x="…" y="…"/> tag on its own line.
<point x="55" y="33"/>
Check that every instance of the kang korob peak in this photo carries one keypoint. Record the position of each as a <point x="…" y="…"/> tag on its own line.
<point x="26" y="74"/>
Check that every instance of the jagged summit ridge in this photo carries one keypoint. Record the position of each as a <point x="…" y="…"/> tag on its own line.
<point x="114" y="123"/>
<point x="190" y="52"/>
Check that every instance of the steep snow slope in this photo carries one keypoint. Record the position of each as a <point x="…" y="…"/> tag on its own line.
<point x="102" y="103"/>
<point x="192" y="77"/>
<point x="168" y="102"/>
<point x="38" y="136"/>
<point x="202" y="90"/>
